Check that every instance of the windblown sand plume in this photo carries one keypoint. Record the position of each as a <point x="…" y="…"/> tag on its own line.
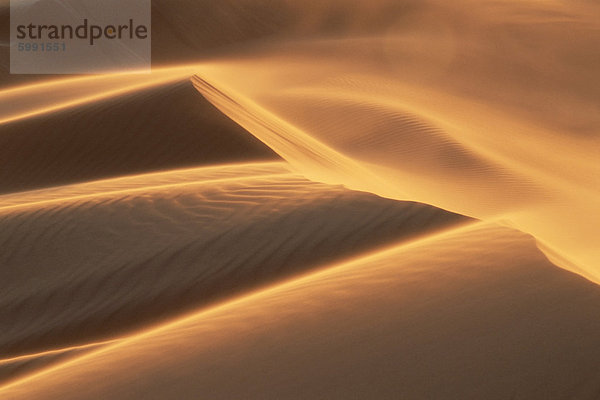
<point x="310" y="200"/>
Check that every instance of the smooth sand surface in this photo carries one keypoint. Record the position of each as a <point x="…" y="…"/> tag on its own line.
<point x="473" y="312"/>
<point x="135" y="255"/>
<point x="155" y="127"/>
<point x="333" y="199"/>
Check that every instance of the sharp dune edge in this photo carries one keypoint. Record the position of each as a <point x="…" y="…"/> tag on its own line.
<point x="339" y="199"/>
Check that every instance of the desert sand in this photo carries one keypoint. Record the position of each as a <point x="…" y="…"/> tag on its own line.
<point x="310" y="200"/>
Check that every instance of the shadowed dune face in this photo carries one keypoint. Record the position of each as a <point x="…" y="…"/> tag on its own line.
<point x="156" y="128"/>
<point x="454" y="313"/>
<point x="93" y="264"/>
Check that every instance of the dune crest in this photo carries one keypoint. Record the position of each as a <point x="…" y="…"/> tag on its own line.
<point x="434" y="126"/>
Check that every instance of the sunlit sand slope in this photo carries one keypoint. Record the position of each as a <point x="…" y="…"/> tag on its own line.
<point x="14" y="367"/>
<point x="472" y="313"/>
<point x="486" y="108"/>
<point x="84" y="263"/>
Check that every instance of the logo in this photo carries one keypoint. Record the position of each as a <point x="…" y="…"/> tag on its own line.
<point x="79" y="36"/>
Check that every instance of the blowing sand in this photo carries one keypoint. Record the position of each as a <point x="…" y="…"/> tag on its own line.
<point x="310" y="200"/>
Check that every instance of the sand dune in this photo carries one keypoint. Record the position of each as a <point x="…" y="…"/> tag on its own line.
<point x="15" y="367"/>
<point x="475" y="312"/>
<point x="317" y="199"/>
<point x="136" y="255"/>
<point x="35" y="98"/>
<point x="433" y="126"/>
<point x="149" y="129"/>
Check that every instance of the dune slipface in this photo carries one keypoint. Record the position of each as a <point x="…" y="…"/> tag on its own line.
<point x="303" y="200"/>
